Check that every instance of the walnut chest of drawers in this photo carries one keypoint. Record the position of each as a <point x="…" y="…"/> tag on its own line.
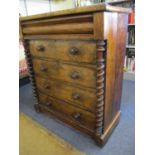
<point x="75" y="60"/>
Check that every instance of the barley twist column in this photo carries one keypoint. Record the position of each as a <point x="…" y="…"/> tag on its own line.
<point x="101" y="53"/>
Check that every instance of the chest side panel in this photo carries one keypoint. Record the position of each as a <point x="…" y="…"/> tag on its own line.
<point x="115" y="32"/>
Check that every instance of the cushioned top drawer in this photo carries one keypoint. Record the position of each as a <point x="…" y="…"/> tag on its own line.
<point x="69" y="27"/>
<point x="74" y="51"/>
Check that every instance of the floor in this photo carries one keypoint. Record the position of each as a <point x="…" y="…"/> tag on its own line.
<point x="47" y="143"/>
<point x="121" y="142"/>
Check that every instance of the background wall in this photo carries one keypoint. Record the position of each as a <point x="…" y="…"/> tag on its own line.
<point x="37" y="6"/>
<point x="61" y="5"/>
<point x="22" y="8"/>
<point x="31" y="7"/>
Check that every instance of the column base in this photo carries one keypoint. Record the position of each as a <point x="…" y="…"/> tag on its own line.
<point x="101" y="140"/>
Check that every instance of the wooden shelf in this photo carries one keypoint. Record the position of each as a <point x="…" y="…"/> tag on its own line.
<point x="131" y="24"/>
<point x="130" y="72"/>
<point x="119" y="1"/>
<point x="129" y="76"/>
<point x="130" y="46"/>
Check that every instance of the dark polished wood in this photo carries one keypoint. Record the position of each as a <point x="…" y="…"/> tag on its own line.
<point x="79" y="115"/>
<point x="85" y="50"/>
<point x="81" y="10"/>
<point x="115" y="32"/>
<point x="75" y="74"/>
<point x="80" y="97"/>
<point x="75" y="60"/>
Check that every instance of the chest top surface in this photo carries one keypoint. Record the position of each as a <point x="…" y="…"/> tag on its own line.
<point x="79" y="10"/>
<point x="77" y="23"/>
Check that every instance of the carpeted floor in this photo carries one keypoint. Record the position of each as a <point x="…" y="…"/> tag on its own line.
<point x="121" y="142"/>
<point x="36" y="140"/>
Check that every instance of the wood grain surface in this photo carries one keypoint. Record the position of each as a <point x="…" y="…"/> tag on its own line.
<point x="83" y="76"/>
<point x="78" y="97"/>
<point x="75" y="60"/>
<point x="62" y="50"/>
<point x="83" y="117"/>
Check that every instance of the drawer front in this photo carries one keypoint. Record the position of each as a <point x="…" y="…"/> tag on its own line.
<point x="66" y="27"/>
<point x="70" y="73"/>
<point x="75" y="51"/>
<point x="76" y="114"/>
<point x="76" y="96"/>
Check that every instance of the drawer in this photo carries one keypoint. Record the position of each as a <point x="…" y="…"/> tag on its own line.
<point x="66" y="72"/>
<point x="74" y="51"/>
<point x="66" y="27"/>
<point x="76" y="96"/>
<point x="76" y="114"/>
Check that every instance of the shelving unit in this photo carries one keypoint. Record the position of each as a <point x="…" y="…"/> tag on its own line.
<point x="129" y="65"/>
<point x="129" y="76"/>
<point x="131" y="24"/>
<point x="118" y="1"/>
<point x="130" y="48"/>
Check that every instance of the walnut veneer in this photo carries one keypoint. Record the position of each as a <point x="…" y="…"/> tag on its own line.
<point x="75" y="60"/>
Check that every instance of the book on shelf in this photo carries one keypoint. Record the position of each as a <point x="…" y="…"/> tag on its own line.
<point x="131" y="36"/>
<point x="129" y="62"/>
<point x="131" y="18"/>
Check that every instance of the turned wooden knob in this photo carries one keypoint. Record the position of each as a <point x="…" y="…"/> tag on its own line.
<point x="48" y="103"/>
<point x="75" y="75"/>
<point x="43" y="68"/>
<point x="46" y="86"/>
<point x="76" y="96"/>
<point x="77" y="116"/>
<point x="74" y="51"/>
<point x="40" y="48"/>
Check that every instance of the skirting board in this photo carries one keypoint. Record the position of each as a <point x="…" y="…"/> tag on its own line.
<point x="103" y="139"/>
<point x="129" y="76"/>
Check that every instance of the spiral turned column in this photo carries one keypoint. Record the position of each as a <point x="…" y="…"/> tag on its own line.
<point x="101" y="55"/>
<point x="31" y="72"/>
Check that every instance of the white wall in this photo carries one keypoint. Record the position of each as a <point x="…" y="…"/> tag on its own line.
<point x="43" y="6"/>
<point x="37" y="6"/>
<point x="62" y="5"/>
<point x="22" y="9"/>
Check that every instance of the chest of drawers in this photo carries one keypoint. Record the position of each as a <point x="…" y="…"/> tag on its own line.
<point x="75" y="60"/>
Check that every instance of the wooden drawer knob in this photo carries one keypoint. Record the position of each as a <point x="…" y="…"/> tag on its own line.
<point x="40" y="48"/>
<point x="46" y="86"/>
<point x="74" y="51"/>
<point x="75" y="75"/>
<point x="48" y="103"/>
<point x="43" y="68"/>
<point x="77" y="116"/>
<point x="76" y="96"/>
